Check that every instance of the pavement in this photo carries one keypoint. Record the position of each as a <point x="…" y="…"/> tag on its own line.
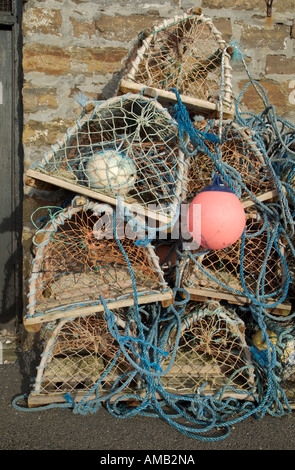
<point x="61" y="429"/>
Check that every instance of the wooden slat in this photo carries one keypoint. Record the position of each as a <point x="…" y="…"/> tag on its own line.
<point x="185" y="371"/>
<point x="201" y="294"/>
<point x="33" y="323"/>
<point x="166" y="97"/>
<point x="264" y="197"/>
<point x="35" y="400"/>
<point x="46" y="182"/>
<point x="32" y="175"/>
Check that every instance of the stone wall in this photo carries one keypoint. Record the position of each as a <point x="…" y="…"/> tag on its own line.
<point x="78" y="45"/>
<point x="72" y="46"/>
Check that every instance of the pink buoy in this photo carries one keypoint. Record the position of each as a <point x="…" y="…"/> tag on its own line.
<point x="222" y="216"/>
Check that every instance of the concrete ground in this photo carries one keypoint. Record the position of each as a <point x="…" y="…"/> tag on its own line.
<point x="61" y="429"/>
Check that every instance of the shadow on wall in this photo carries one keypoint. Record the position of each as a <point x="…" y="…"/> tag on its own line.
<point x="11" y="295"/>
<point x="112" y="87"/>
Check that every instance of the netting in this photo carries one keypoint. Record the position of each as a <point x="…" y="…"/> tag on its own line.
<point x="253" y="267"/>
<point x="212" y="354"/>
<point x="124" y="147"/>
<point x="240" y="159"/>
<point x="200" y="365"/>
<point x="81" y="358"/>
<point x="281" y="337"/>
<point x="84" y="253"/>
<point x="186" y="53"/>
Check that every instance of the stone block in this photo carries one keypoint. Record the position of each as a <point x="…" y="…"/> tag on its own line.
<point x="38" y="133"/>
<point x="279" y="64"/>
<point x="284" y="7"/>
<point x="235" y="4"/>
<point x="41" y="20"/>
<point x="83" y="28"/>
<point x="256" y="37"/>
<point x="53" y="60"/>
<point x="38" y="98"/>
<point x="277" y="93"/>
<point x="96" y="59"/>
<point x="50" y="60"/>
<point x="124" y="28"/>
<point x="225" y="27"/>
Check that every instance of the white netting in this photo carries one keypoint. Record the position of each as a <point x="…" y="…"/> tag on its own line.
<point x="208" y="363"/>
<point x="212" y="354"/>
<point x="82" y="358"/>
<point x="126" y="146"/>
<point x="186" y="53"/>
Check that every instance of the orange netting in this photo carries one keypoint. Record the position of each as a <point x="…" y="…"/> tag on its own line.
<point x="82" y="258"/>
<point x="240" y="159"/>
<point x="248" y="267"/>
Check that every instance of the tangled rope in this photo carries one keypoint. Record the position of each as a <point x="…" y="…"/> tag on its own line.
<point x="199" y="415"/>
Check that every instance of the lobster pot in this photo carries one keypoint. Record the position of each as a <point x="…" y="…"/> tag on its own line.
<point x="124" y="150"/>
<point x="86" y="256"/>
<point x="212" y="355"/>
<point x="82" y="360"/>
<point x="252" y="269"/>
<point x="241" y="161"/>
<point x="186" y="53"/>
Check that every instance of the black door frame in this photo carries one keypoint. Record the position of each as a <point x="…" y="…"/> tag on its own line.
<point x="12" y="21"/>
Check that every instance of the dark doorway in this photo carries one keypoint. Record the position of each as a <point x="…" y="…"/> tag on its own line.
<point x="11" y="158"/>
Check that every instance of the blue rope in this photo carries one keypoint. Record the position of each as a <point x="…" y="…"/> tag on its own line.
<point x="198" y="138"/>
<point x="149" y="351"/>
